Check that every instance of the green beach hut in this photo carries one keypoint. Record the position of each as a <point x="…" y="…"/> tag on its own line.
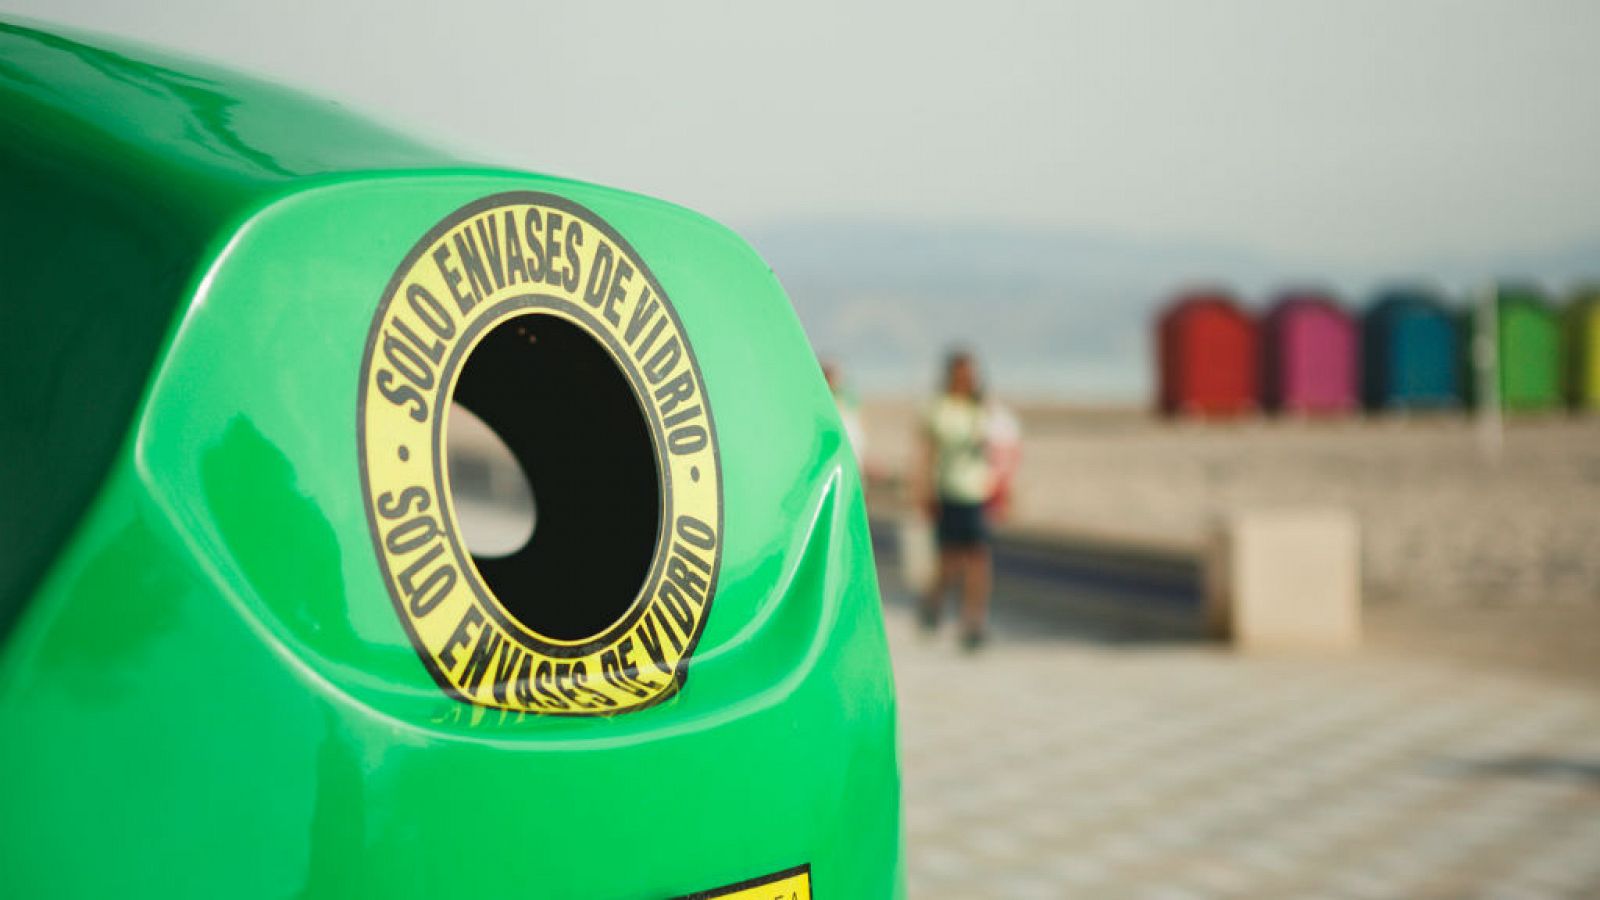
<point x="1581" y="328"/>
<point x="1529" y="349"/>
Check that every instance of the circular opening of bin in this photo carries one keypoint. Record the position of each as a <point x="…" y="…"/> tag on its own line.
<point x="565" y="414"/>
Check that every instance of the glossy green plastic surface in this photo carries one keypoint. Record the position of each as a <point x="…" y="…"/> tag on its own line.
<point x="204" y="688"/>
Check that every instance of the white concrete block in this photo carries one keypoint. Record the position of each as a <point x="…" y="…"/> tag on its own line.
<point x="1286" y="580"/>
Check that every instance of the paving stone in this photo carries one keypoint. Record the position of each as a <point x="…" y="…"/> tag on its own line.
<point x="1067" y="769"/>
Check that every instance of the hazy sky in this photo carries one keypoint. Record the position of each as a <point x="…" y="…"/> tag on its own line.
<point x="1365" y="133"/>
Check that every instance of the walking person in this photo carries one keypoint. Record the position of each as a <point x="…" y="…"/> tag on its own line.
<point x="953" y="481"/>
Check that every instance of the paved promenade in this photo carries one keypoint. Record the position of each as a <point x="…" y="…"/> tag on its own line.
<point x="1062" y="762"/>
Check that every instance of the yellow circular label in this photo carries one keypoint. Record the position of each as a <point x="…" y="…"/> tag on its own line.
<point x="503" y="257"/>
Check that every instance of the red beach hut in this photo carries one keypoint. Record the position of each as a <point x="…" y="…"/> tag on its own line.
<point x="1207" y="356"/>
<point x="1309" y="356"/>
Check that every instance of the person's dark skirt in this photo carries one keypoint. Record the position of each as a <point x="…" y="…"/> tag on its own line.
<point x="961" y="524"/>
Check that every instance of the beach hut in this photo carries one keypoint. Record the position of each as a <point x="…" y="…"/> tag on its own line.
<point x="1530" y="350"/>
<point x="1411" y="352"/>
<point x="1308" y="355"/>
<point x="1207" y="356"/>
<point x="1582" y="332"/>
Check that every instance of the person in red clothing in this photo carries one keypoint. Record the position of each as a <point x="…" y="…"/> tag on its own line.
<point x="1004" y="431"/>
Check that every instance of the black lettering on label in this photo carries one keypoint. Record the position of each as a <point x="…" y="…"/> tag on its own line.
<point x="478" y="660"/>
<point x="695" y="532"/>
<point x="412" y="534"/>
<point x="692" y="557"/>
<point x="489" y="237"/>
<point x="563" y="684"/>
<point x="574" y="241"/>
<point x="651" y="641"/>
<point x="504" y="669"/>
<point x="629" y="668"/>
<point x="688" y="439"/>
<point x="692" y="585"/>
<point x="532" y="224"/>
<point x="452" y="279"/>
<point x="611" y="670"/>
<point x="516" y="266"/>
<point x="405" y="360"/>
<point x="679" y="389"/>
<point x="680" y="417"/>
<point x="402" y="395"/>
<point x="552" y="246"/>
<point x="599" y="276"/>
<point x="434" y="352"/>
<point x="458" y="638"/>
<point x="643" y="312"/>
<point x="392" y="507"/>
<point x="407" y="576"/>
<point x="430" y="311"/>
<point x="543" y="681"/>
<point x="663" y="361"/>
<point x="618" y="292"/>
<point x="666" y="627"/>
<point x="433" y="589"/>
<point x="580" y="680"/>
<point x="650" y="339"/>
<point x="472" y="260"/>
<point x="624" y="649"/>
<point x="678" y="607"/>
<point x="521" y="689"/>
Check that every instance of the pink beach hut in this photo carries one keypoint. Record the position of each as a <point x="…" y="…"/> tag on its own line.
<point x="1310" y="356"/>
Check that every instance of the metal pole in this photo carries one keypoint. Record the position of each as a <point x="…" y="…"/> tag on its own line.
<point x="1486" y="363"/>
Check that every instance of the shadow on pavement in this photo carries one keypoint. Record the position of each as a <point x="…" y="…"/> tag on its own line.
<point x="1061" y="590"/>
<point x="1531" y="767"/>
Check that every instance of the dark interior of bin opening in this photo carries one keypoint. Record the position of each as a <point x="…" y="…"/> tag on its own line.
<point x="566" y="412"/>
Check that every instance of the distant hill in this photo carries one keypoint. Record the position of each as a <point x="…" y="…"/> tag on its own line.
<point x="1051" y="313"/>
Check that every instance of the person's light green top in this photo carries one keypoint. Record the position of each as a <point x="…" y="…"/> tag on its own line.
<point x="956" y="428"/>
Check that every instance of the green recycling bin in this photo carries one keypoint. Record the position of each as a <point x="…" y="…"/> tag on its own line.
<point x="245" y="647"/>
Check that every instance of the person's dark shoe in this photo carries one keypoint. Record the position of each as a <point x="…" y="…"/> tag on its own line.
<point x="972" y="640"/>
<point x="927" y="620"/>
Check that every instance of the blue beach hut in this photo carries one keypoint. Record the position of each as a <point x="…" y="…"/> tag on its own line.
<point x="1411" y="352"/>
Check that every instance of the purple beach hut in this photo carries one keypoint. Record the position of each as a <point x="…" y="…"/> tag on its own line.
<point x="1310" y="356"/>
